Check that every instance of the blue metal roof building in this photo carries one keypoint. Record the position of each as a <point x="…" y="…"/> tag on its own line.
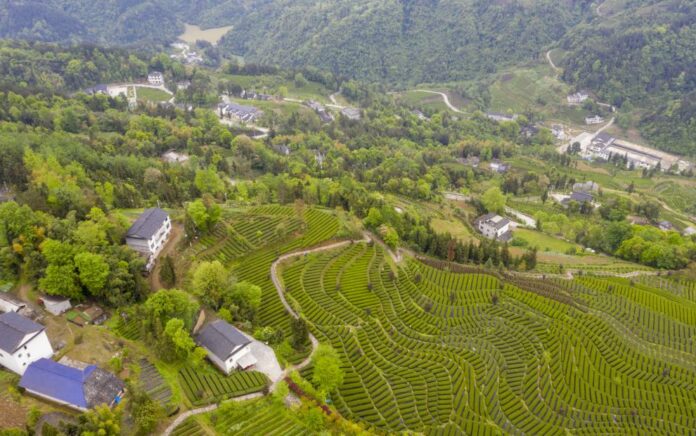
<point x="81" y="389"/>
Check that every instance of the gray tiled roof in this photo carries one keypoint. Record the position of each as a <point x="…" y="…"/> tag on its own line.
<point x="147" y="224"/>
<point x="101" y="387"/>
<point x="494" y="220"/>
<point x="221" y="339"/>
<point x="581" y="197"/>
<point x="13" y="329"/>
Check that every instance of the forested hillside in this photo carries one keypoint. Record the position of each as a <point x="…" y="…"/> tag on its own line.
<point x="644" y="55"/>
<point x="408" y="41"/>
<point x="103" y="22"/>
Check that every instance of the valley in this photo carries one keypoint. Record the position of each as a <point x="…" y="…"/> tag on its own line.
<point x="351" y="218"/>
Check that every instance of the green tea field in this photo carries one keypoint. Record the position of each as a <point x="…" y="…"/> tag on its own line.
<point x="428" y="350"/>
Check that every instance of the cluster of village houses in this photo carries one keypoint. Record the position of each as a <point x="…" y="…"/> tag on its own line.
<point x="27" y="350"/>
<point x="496" y="227"/>
<point x="250" y="114"/>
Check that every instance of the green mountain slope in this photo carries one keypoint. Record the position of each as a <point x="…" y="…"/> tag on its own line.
<point x="406" y="41"/>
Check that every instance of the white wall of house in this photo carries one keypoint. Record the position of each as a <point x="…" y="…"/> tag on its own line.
<point x="233" y="361"/>
<point x="491" y="232"/>
<point x="154" y="245"/>
<point x="56" y="401"/>
<point x="34" y="349"/>
<point x="222" y="365"/>
<point x="57" y="307"/>
<point x="8" y="306"/>
<point x="229" y="365"/>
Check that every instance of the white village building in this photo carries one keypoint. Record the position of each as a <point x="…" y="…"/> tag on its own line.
<point x="578" y="97"/>
<point x="228" y="348"/>
<point x="56" y="305"/>
<point x="155" y="78"/>
<point x="22" y="342"/>
<point x="494" y="226"/>
<point x="594" y="120"/>
<point x="149" y="233"/>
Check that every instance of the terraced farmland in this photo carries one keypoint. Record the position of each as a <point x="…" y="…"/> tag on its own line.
<point x="319" y="226"/>
<point x="243" y="233"/>
<point x="206" y="387"/>
<point x="249" y="242"/>
<point x="255" y="417"/>
<point x="433" y="351"/>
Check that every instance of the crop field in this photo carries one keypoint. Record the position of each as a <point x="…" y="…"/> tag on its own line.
<point x="193" y="33"/>
<point x="250" y="241"/>
<point x="544" y="242"/>
<point x="453" y="227"/>
<point x="426" y="349"/>
<point x="190" y="427"/>
<point x="677" y="196"/>
<point x="154" y="384"/>
<point x="210" y="386"/>
<point x="152" y="94"/>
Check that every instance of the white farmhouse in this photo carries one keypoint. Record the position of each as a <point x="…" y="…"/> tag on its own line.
<point x="22" y="342"/>
<point x="494" y="226"/>
<point x="149" y="233"/>
<point x="155" y="78"/>
<point x="228" y="348"/>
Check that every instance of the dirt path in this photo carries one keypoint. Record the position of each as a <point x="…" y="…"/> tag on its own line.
<point x="553" y="65"/>
<point x="184" y="416"/>
<point x="172" y="243"/>
<point x="334" y="103"/>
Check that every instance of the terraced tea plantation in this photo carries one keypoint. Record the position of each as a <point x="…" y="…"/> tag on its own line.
<point x="256" y="417"/>
<point x="250" y="240"/>
<point x="429" y="350"/>
<point x="242" y="233"/>
<point x="318" y="226"/>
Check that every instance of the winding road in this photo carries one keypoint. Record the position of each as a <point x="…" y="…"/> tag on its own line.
<point x="445" y="98"/>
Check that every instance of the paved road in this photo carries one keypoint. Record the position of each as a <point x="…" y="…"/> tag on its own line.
<point x="184" y="416"/>
<point x="606" y="126"/>
<point x="444" y="97"/>
<point x="526" y="219"/>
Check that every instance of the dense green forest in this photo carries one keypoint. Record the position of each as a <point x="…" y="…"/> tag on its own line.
<point x="408" y="41"/>
<point x="402" y="42"/>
